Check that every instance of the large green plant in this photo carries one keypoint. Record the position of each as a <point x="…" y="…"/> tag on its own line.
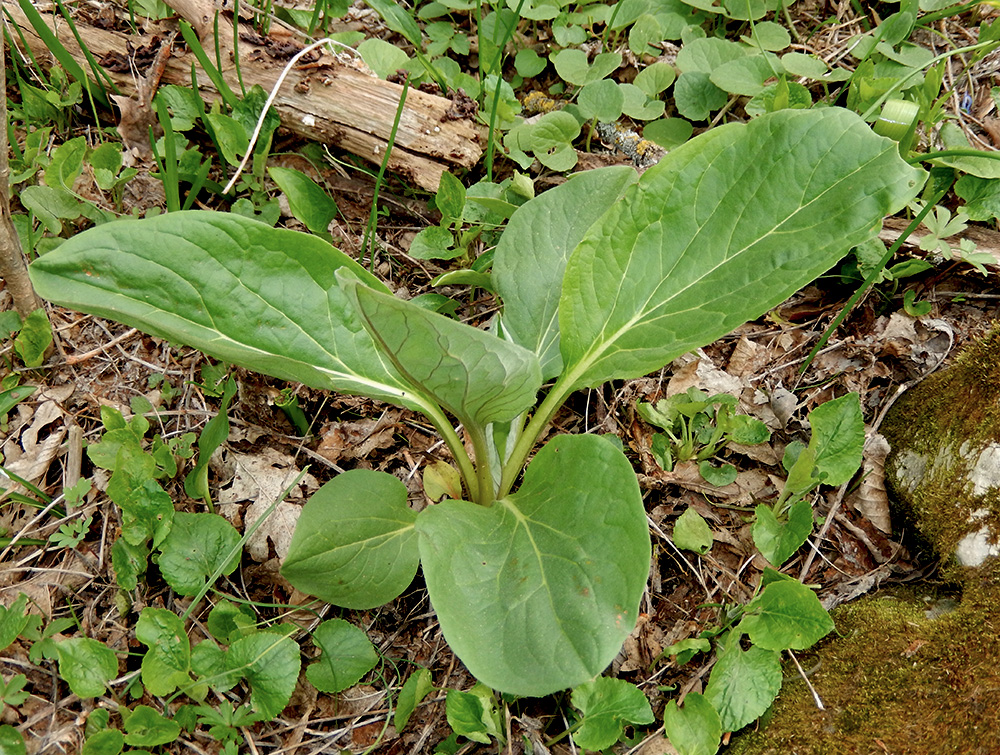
<point x="536" y="585"/>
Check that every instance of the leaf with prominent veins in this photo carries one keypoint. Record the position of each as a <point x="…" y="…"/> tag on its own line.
<point x="476" y="376"/>
<point x="237" y="289"/>
<point x="723" y="229"/>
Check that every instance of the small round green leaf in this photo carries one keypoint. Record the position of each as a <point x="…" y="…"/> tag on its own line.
<point x="696" y="96"/>
<point x="786" y="615"/>
<point x="668" y="132"/>
<point x="86" y="665"/>
<point x="107" y="742"/>
<point x="433" y="243"/>
<point x="602" y="100"/>
<point x="228" y="621"/>
<point x="354" y="544"/>
<point x="197" y="547"/>
<point x="383" y="58"/>
<point x="655" y="78"/>
<point x="11" y="741"/>
<point x="777" y="540"/>
<point x="746" y="76"/>
<point x="608" y="705"/>
<point x="347" y="655"/>
<point x="528" y="63"/>
<point x="147" y="728"/>
<point x="769" y="36"/>
<point x="694" y="729"/>
<point x="307" y="200"/>
<point x="556" y="570"/>
<point x="167" y="663"/>
<point x="692" y="533"/>
<point x="743" y="684"/>
<point x="270" y="662"/>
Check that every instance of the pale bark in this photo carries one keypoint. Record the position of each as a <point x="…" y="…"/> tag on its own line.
<point x="13" y="269"/>
<point x="327" y="101"/>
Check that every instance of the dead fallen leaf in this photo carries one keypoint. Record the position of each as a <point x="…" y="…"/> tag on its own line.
<point x="870" y="498"/>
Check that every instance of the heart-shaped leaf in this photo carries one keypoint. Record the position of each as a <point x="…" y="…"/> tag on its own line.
<point x="555" y="570"/>
<point x="716" y="235"/>
<point x="354" y="542"/>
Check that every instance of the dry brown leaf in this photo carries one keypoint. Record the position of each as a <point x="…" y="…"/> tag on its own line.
<point x="870" y="499"/>
<point x="262" y="478"/>
<point x="355" y="440"/>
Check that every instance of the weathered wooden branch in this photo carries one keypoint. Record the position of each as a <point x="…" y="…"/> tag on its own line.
<point x="13" y="269"/>
<point x="326" y="100"/>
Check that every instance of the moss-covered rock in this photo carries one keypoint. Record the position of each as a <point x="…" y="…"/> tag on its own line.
<point x="944" y="468"/>
<point x="898" y="678"/>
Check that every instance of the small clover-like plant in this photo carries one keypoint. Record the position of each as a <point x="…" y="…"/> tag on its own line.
<point x="696" y="427"/>
<point x="537" y="573"/>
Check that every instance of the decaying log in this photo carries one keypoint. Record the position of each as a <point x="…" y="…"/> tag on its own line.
<point x="326" y="100"/>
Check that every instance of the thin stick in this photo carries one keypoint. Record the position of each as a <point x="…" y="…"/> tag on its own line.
<point x="815" y="694"/>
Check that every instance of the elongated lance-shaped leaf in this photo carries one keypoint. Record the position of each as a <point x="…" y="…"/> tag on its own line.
<point x="723" y="229"/>
<point x="531" y="256"/>
<point x="235" y="288"/>
<point x="475" y="375"/>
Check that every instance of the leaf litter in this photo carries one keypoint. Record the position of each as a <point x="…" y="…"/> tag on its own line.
<point x="874" y="353"/>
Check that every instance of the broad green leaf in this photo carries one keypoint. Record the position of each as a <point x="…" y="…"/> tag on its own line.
<point x="307" y="199"/>
<point x="411" y="694"/>
<point x="66" y="163"/>
<point x="13" y="620"/>
<point x="228" y="621"/>
<point x="270" y="663"/>
<point x="260" y="297"/>
<point x="531" y="257"/>
<point x="166" y="664"/>
<point x="347" y="655"/>
<point x="720" y="476"/>
<point x="608" y="705"/>
<point x="786" y="615"/>
<point x="34" y="338"/>
<point x="528" y="63"/>
<point x="382" y="57"/>
<point x="747" y="75"/>
<point x="743" y="684"/>
<point x="692" y="533"/>
<point x="556" y="570"/>
<point x="11" y="741"/>
<point x="981" y="195"/>
<point x="86" y="665"/>
<point x="128" y="562"/>
<point x="655" y="78"/>
<point x="746" y="430"/>
<point x="838" y="438"/>
<point x="800" y="64"/>
<point x="724" y="228"/>
<point x="694" y="729"/>
<point x="473" y="374"/>
<point x="198" y="546"/>
<point x="106" y="742"/>
<point x="144" y="727"/>
<point x="232" y="138"/>
<point x="696" y="97"/>
<point x="354" y="543"/>
<point x="602" y="99"/>
<point x="450" y="198"/>
<point x="433" y="243"/>
<point x="777" y="540"/>
<point x="465" y="714"/>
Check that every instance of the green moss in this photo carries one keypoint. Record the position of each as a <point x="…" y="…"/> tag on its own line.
<point x="896" y="681"/>
<point x="960" y="406"/>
